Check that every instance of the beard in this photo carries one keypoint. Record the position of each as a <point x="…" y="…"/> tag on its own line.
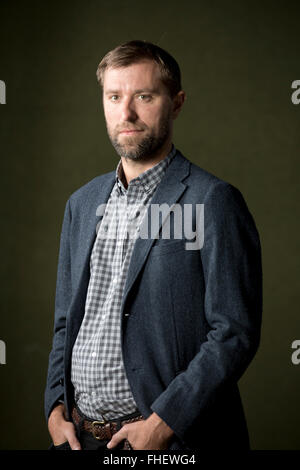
<point x="138" y="149"/>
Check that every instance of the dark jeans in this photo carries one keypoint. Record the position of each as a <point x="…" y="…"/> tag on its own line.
<point x="88" y="442"/>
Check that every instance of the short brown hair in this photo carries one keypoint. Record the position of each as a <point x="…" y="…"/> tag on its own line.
<point x="136" y="51"/>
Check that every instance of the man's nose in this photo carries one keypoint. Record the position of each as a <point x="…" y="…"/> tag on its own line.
<point x="128" y="111"/>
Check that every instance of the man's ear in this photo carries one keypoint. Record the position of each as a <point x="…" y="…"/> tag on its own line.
<point x="178" y="101"/>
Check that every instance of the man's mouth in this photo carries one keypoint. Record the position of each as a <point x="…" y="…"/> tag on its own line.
<point x="130" y="131"/>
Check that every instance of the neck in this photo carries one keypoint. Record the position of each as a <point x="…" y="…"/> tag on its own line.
<point x="133" y="168"/>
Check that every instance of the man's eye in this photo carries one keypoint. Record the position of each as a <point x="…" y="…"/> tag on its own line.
<point x="145" y="97"/>
<point x="114" y="97"/>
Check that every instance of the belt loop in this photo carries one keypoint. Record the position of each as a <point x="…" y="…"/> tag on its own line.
<point x="118" y="424"/>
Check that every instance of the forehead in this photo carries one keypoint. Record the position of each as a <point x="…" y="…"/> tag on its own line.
<point x="137" y="76"/>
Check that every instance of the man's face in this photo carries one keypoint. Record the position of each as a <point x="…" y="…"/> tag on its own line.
<point x="138" y="110"/>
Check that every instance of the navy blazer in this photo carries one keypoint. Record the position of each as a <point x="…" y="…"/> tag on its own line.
<point x="190" y="319"/>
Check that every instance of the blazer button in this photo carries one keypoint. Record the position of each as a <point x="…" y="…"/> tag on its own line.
<point x="126" y="314"/>
<point x="61" y="382"/>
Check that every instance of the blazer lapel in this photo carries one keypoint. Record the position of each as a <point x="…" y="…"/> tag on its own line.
<point x="92" y="216"/>
<point x="168" y="191"/>
<point x="99" y="195"/>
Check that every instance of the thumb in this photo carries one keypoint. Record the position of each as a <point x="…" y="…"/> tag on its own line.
<point x="117" y="438"/>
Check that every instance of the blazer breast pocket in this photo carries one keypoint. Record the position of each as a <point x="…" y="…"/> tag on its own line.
<point x="165" y="246"/>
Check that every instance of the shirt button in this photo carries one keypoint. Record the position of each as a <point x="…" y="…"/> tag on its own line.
<point x="115" y="280"/>
<point x="94" y="354"/>
<point x="105" y="228"/>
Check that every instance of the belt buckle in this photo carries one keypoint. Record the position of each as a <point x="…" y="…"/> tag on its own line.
<point x="93" y="429"/>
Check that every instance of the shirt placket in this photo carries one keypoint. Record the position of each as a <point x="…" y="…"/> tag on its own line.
<point x="122" y="225"/>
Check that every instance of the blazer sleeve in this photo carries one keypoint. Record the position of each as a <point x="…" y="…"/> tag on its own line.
<point x="231" y="262"/>
<point x="55" y="377"/>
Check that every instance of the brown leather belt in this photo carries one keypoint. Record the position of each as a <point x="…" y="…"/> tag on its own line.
<point x="102" y="430"/>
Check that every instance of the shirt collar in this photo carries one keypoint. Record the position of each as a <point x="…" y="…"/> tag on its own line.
<point x="149" y="178"/>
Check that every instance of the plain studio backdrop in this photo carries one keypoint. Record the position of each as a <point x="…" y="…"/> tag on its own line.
<point x="238" y="61"/>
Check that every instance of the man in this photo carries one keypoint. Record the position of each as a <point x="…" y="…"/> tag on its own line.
<point x="151" y="336"/>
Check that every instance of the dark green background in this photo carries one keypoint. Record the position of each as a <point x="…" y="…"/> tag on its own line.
<point x="238" y="61"/>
